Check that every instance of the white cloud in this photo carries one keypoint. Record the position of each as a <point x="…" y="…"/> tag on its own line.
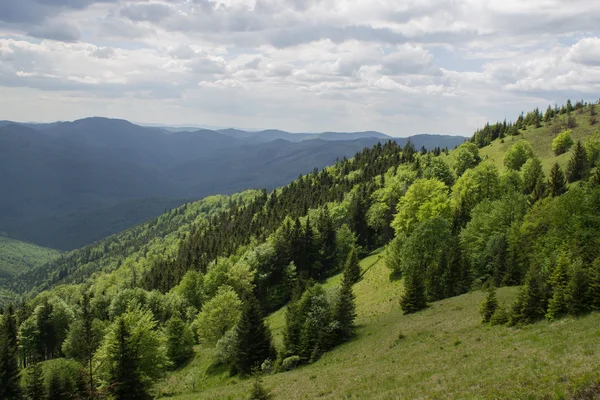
<point x="402" y="67"/>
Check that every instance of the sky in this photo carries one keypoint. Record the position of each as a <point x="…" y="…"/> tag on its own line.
<point x="399" y="67"/>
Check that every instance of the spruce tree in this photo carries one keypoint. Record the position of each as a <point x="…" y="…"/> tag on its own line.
<point x="327" y="242"/>
<point x="489" y="305"/>
<point x="577" y="291"/>
<point x="55" y="388"/>
<point x="558" y="282"/>
<point x="258" y="391"/>
<point x="531" y="301"/>
<point x="9" y="366"/>
<point x="344" y="311"/>
<point x="557" y="181"/>
<point x="578" y="167"/>
<point x="125" y="382"/>
<point x="352" y="267"/>
<point x="34" y="383"/>
<point x="254" y="344"/>
<point x="593" y="291"/>
<point x="413" y="299"/>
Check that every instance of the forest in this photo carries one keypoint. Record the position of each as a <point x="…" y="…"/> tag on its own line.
<point x="111" y="319"/>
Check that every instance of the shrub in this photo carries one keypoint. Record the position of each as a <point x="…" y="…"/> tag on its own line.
<point x="290" y="363"/>
<point x="562" y="143"/>
<point x="500" y="317"/>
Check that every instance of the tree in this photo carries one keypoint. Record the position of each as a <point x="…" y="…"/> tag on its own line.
<point x="344" y="309"/>
<point x="559" y="279"/>
<point x="578" y="167"/>
<point x="557" y="181"/>
<point x="133" y="355"/>
<point x="531" y="301"/>
<point x="593" y="292"/>
<point x="465" y="157"/>
<point x="576" y="293"/>
<point x="124" y="377"/>
<point x="592" y="148"/>
<point x="9" y="367"/>
<point x="517" y="155"/>
<point x="413" y="297"/>
<point x="533" y="174"/>
<point x="180" y="341"/>
<point x="436" y="168"/>
<point x="345" y="241"/>
<point x="258" y="391"/>
<point x="34" y="383"/>
<point x="562" y="143"/>
<point x="475" y="185"/>
<point x="424" y="199"/>
<point x="352" y="268"/>
<point x="218" y="315"/>
<point x="327" y="243"/>
<point x="254" y="344"/>
<point x="489" y="305"/>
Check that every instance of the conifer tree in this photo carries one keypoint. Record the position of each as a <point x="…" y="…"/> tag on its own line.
<point x="578" y="167"/>
<point x="291" y="333"/>
<point x="577" y="291"/>
<point x="9" y="367"/>
<point x="532" y="299"/>
<point x="344" y="310"/>
<point x="34" y="383"/>
<point x="258" y="391"/>
<point x="55" y="388"/>
<point x="254" y="344"/>
<point x="593" y="291"/>
<point x="558" y="281"/>
<point x="557" y="181"/>
<point x="413" y="299"/>
<point x="489" y="305"/>
<point x="327" y="241"/>
<point x="125" y="382"/>
<point x="352" y="267"/>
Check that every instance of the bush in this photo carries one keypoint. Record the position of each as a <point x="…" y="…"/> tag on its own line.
<point x="562" y="143"/>
<point x="290" y="363"/>
<point x="489" y="305"/>
<point x="225" y="349"/>
<point x="500" y="317"/>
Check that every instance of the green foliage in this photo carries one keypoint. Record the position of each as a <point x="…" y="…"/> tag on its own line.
<point x="562" y="143"/>
<point x="345" y="243"/>
<point x="63" y="379"/>
<point x="533" y="175"/>
<point x="557" y="306"/>
<point x="500" y="316"/>
<point x="436" y="168"/>
<point x="344" y="308"/>
<point x="225" y="349"/>
<point x="576" y="292"/>
<point x="532" y="300"/>
<point x="17" y="257"/>
<point x="466" y="157"/>
<point x="254" y="344"/>
<point x="393" y="255"/>
<point x="413" y="298"/>
<point x="352" y="268"/>
<point x="474" y="186"/>
<point x="258" y="391"/>
<point x="218" y="315"/>
<point x="592" y="148"/>
<point x="489" y="306"/>
<point x="180" y="341"/>
<point x="517" y="155"/>
<point x="34" y="383"/>
<point x="424" y="199"/>
<point x="557" y="182"/>
<point x="578" y="167"/>
<point x="132" y="355"/>
<point x="9" y="368"/>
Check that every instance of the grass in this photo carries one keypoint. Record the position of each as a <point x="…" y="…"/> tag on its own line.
<point x="17" y="256"/>
<point x="541" y="142"/>
<point x="441" y="352"/>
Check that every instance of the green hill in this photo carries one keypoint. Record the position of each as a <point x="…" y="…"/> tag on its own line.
<point x="442" y="352"/>
<point x="176" y="306"/>
<point x="18" y="257"/>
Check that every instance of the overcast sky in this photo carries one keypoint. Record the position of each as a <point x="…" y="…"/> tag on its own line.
<point x="400" y="67"/>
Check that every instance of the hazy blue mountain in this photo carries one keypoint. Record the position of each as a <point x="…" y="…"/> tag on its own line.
<point x="67" y="184"/>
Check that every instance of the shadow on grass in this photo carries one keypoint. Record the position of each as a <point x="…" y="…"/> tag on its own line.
<point x="217" y="368"/>
<point x="395" y="276"/>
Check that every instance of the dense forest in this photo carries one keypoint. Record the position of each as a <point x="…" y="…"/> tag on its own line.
<point x="108" y="320"/>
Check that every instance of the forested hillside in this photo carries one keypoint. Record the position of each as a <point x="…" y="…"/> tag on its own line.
<point x="18" y="257"/>
<point x="69" y="184"/>
<point x="186" y="297"/>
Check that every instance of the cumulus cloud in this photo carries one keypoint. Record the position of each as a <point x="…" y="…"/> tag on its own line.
<point x="401" y="67"/>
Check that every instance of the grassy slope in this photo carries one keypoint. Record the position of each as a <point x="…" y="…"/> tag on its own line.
<point x="541" y="142"/>
<point x="445" y="353"/>
<point x="17" y="256"/>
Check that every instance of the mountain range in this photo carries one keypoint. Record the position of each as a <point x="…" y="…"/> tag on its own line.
<point x="67" y="184"/>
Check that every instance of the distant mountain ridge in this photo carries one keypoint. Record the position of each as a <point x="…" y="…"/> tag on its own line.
<point x="67" y="184"/>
